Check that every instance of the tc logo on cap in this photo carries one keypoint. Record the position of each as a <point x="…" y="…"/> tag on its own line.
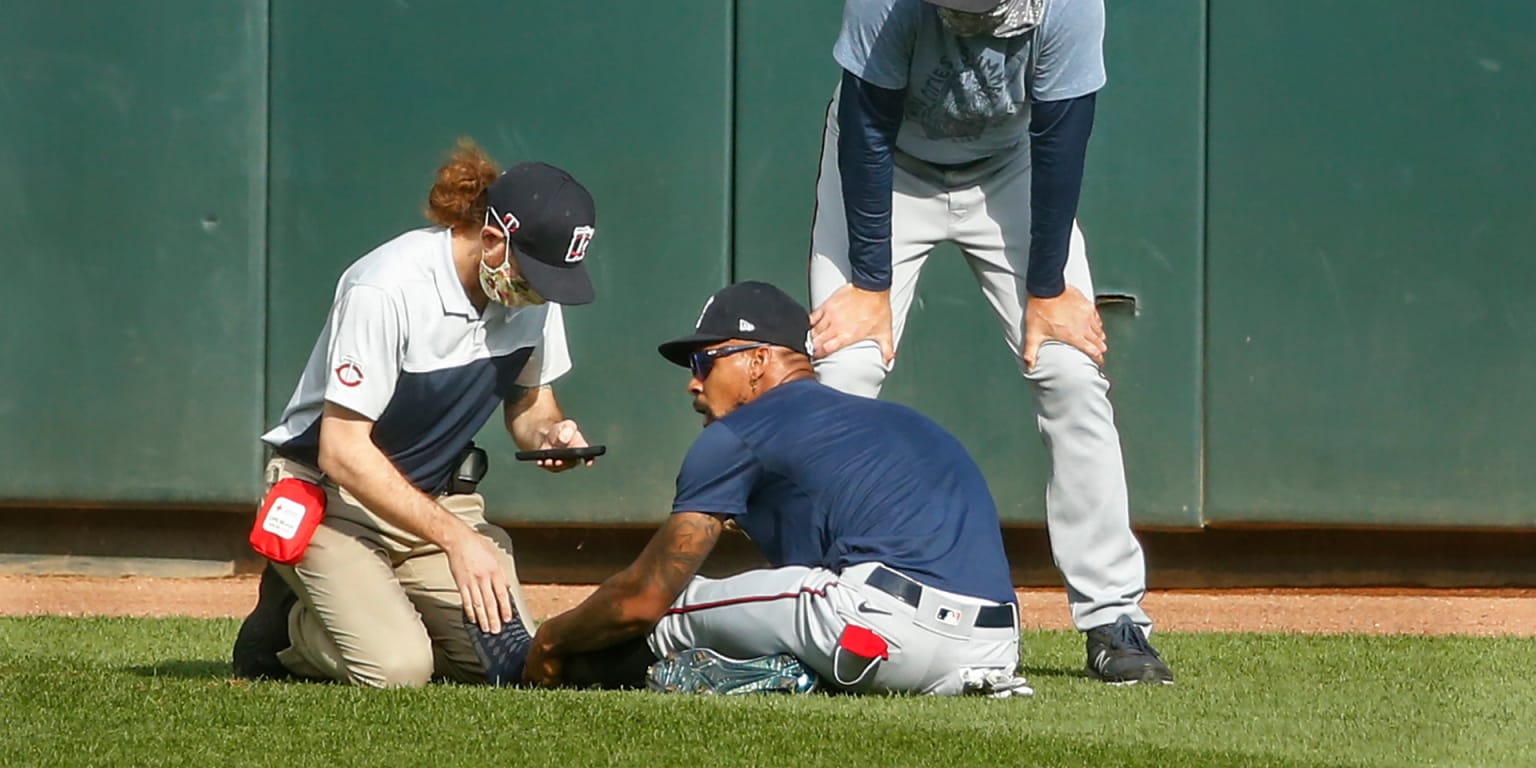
<point x="581" y="237"/>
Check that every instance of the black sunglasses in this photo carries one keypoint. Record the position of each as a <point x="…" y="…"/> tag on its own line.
<point x="703" y="360"/>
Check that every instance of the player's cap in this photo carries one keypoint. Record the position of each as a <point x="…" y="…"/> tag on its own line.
<point x="753" y="311"/>
<point x="967" y="6"/>
<point x="548" y="217"/>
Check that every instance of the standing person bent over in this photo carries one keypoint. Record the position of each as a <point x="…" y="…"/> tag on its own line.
<point x="967" y="121"/>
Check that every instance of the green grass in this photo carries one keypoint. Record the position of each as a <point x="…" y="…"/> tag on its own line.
<point x="156" y="692"/>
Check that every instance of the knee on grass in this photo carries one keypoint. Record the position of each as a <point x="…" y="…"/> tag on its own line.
<point x="395" y="667"/>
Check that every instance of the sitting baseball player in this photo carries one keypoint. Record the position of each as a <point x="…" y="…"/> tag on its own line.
<point x="888" y="566"/>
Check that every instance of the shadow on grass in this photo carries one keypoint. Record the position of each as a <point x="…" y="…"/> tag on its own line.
<point x="1033" y="672"/>
<point x="185" y="669"/>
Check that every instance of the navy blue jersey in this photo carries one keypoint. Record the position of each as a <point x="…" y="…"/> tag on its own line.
<point x="825" y="479"/>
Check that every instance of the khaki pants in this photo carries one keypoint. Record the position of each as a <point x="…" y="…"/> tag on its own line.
<point x="377" y="605"/>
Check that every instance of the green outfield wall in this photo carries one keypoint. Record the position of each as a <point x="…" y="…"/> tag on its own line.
<point x="1310" y="223"/>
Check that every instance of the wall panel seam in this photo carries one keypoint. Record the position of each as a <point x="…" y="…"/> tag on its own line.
<point x="732" y="24"/>
<point x="1202" y="284"/>
<point x="264" y="383"/>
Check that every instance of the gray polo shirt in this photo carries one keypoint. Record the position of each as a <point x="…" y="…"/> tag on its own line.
<point x="404" y="346"/>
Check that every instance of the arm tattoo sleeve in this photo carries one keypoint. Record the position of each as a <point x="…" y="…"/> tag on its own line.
<point x="628" y="604"/>
<point x="689" y="538"/>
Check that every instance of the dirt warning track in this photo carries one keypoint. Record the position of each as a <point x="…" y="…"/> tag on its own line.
<point x="1483" y="613"/>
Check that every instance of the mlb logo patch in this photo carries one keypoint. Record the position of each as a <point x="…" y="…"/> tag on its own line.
<point x="947" y="615"/>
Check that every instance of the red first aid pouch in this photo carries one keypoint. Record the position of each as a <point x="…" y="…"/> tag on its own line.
<point x="287" y="520"/>
<point x="859" y="651"/>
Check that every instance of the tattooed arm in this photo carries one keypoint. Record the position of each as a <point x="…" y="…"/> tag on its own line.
<point x="629" y="603"/>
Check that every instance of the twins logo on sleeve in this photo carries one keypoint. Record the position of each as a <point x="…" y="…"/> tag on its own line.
<point x="349" y="373"/>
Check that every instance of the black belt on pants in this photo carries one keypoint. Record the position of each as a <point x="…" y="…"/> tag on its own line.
<point x="911" y="593"/>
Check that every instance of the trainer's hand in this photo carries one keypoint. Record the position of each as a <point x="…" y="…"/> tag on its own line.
<point x="1070" y="318"/>
<point x="483" y="585"/>
<point x="853" y="314"/>
<point x="562" y="434"/>
<point x="542" y="668"/>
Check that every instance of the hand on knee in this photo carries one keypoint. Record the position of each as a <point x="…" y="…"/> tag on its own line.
<point x="1070" y="318"/>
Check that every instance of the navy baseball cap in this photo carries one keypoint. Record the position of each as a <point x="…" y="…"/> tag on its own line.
<point x="549" y="219"/>
<point x="967" y="6"/>
<point x="753" y="311"/>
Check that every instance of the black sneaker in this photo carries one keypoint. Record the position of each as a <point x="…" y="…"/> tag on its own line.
<point x="1119" y="654"/>
<point x="265" y="631"/>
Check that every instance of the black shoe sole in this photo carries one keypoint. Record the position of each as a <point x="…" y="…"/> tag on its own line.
<point x="1147" y="674"/>
<point x="265" y="631"/>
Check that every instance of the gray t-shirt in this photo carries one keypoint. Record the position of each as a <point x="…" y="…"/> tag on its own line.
<point x="967" y="98"/>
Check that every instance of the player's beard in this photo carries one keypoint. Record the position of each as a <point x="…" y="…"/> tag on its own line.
<point x="703" y="407"/>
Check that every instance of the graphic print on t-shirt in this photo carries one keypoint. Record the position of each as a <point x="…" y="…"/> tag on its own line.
<point x="973" y="88"/>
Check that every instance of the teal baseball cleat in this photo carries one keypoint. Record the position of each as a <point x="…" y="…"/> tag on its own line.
<point x="701" y="670"/>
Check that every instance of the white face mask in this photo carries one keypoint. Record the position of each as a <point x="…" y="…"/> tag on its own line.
<point x="501" y="287"/>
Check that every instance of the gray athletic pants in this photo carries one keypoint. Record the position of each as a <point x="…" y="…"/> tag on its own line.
<point x="805" y="611"/>
<point x="985" y="211"/>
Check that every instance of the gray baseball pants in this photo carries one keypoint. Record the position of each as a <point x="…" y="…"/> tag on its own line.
<point x="804" y="611"/>
<point x="984" y="210"/>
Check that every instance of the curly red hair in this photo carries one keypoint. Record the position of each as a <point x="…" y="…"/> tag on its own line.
<point x="457" y="199"/>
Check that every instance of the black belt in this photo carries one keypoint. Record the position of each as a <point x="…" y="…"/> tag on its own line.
<point x="911" y="593"/>
<point x="963" y="165"/>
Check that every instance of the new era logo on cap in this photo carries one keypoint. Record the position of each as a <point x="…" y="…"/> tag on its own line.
<point x="745" y="325"/>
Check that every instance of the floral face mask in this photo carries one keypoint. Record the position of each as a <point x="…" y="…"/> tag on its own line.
<point x="502" y="288"/>
<point x="498" y="283"/>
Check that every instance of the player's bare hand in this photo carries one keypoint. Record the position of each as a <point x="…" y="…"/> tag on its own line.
<point x="852" y="314"/>
<point x="542" y="668"/>
<point x="562" y="434"/>
<point x="1070" y="318"/>
<point x="483" y="585"/>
